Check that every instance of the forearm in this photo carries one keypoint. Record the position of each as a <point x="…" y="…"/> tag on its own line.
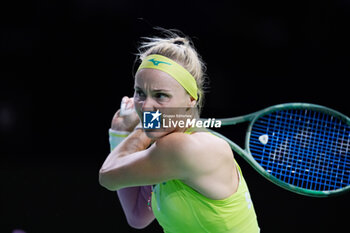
<point x="135" y="201"/>
<point x="136" y="141"/>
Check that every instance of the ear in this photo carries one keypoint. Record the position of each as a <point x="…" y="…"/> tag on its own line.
<point x="193" y="102"/>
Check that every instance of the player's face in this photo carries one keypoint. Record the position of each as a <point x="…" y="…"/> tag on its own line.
<point x="155" y="89"/>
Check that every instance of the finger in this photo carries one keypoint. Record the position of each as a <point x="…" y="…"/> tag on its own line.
<point x="124" y="105"/>
<point x="117" y="114"/>
<point x="127" y="112"/>
<point x="130" y="103"/>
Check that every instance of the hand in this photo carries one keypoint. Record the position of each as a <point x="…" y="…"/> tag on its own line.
<point x="126" y="118"/>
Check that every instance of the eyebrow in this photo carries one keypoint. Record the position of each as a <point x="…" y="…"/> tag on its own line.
<point x="161" y="90"/>
<point x="154" y="90"/>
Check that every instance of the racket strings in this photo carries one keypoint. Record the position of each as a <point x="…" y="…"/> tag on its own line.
<point x="308" y="149"/>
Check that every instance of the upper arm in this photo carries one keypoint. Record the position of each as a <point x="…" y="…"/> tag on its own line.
<point x="164" y="160"/>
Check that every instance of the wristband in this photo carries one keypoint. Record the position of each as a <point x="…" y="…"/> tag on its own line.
<point x="116" y="137"/>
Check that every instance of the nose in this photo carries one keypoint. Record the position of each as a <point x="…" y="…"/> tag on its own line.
<point x="149" y="104"/>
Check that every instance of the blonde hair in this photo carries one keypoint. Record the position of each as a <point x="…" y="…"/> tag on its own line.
<point x="181" y="50"/>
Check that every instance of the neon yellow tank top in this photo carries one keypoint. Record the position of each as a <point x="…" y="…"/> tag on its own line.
<point x="181" y="209"/>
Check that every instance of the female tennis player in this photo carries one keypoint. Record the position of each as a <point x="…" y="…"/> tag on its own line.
<point x="188" y="180"/>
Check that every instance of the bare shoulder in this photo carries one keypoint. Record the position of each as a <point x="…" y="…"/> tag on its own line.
<point x="212" y="147"/>
<point x="199" y="142"/>
<point x="202" y="139"/>
<point x="200" y="152"/>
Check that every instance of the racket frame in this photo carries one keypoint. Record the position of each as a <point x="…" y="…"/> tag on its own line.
<point x="246" y="153"/>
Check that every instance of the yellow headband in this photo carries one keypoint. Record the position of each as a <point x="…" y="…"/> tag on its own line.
<point x="172" y="68"/>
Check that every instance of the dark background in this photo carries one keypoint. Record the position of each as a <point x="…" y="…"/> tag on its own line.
<point x="66" y="64"/>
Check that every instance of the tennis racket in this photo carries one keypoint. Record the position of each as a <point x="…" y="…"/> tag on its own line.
<point x="304" y="148"/>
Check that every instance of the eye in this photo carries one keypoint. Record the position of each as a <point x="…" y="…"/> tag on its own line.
<point x="139" y="93"/>
<point x="161" y="96"/>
